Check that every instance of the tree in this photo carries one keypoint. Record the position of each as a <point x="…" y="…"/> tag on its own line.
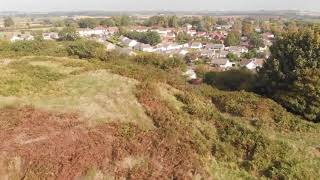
<point x="247" y="28"/>
<point x="233" y="39"/>
<point x="8" y="22"/>
<point x="221" y="22"/>
<point x="208" y="22"/>
<point x="183" y="38"/>
<point x="291" y="75"/>
<point x="88" y="23"/>
<point x="152" y="38"/>
<point x="122" y="20"/>
<point x="231" y="80"/>
<point x="173" y="21"/>
<point x="255" y="40"/>
<point x="149" y="37"/>
<point x="233" y="57"/>
<point x="107" y="22"/>
<point x="68" y="34"/>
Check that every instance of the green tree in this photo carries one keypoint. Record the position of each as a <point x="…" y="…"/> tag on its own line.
<point x="8" y="22"/>
<point x="291" y="75"/>
<point x="122" y="21"/>
<point x="233" y="39"/>
<point x="107" y="22"/>
<point x="255" y="40"/>
<point x="149" y="37"/>
<point x="183" y="38"/>
<point x="173" y="21"/>
<point x="152" y="38"/>
<point x="233" y="57"/>
<point x="88" y="23"/>
<point x="68" y="34"/>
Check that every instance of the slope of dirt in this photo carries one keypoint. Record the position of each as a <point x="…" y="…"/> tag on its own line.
<point x="37" y="144"/>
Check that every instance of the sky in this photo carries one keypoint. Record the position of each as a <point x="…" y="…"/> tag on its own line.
<point x="172" y="5"/>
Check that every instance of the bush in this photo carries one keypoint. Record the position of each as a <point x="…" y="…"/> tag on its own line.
<point x="160" y="61"/>
<point x="30" y="48"/>
<point x="232" y="80"/>
<point x="86" y="49"/>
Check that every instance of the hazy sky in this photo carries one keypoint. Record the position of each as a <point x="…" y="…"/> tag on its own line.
<point x="70" y="5"/>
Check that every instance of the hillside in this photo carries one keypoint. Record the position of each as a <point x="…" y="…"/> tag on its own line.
<point x="64" y="118"/>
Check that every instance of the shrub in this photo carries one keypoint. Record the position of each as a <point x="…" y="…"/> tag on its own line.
<point x="232" y="80"/>
<point x="86" y="49"/>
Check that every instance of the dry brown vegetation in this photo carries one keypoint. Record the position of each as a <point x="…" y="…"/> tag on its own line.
<point x="60" y="146"/>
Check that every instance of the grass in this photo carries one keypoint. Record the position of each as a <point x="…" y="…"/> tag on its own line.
<point x="98" y="96"/>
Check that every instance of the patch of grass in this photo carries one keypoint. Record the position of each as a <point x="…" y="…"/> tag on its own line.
<point x="21" y="78"/>
<point x="98" y="95"/>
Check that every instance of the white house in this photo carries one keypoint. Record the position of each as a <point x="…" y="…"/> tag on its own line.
<point x="222" y="63"/>
<point x="183" y="52"/>
<point x="168" y="47"/>
<point x="22" y="37"/>
<point x="196" y="45"/>
<point x="190" y="74"/>
<point x="238" y="49"/>
<point x="99" y="31"/>
<point x="143" y="47"/>
<point x="50" y="36"/>
<point x="252" y="64"/>
<point x="215" y="46"/>
<point x="109" y="46"/>
<point x="128" y="42"/>
<point x="187" y="27"/>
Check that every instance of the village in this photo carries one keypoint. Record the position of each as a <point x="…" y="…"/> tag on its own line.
<point x="211" y="47"/>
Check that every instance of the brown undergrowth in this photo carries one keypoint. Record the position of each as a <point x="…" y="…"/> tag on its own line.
<point x="60" y="146"/>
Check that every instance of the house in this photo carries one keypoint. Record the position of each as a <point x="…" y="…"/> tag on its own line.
<point x="201" y="34"/>
<point x="50" y="36"/>
<point x="218" y="36"/>
<point x="163" y="32"/>
<point x="190" y="74"/>
<point x="215" y="46"/>
<point x="192" y="32"/>
<point x="187" y="27"/>
<point x="109" y="46"/>
<point x="98" y="31"/>
<point x="139" y="28"/>
<point x="168" y="47"/>
<point x="252" y="64"/>
<point x="222" y="63"/>
<point x="258" y="30"/>
<point x="128" y="42"/>
<point x="196" y="45"/>
<point x="143" y="47"/>
<point x="127" y="51"/>
<point x="222" y="54"/>
<point x="112" y="30"/>
<point x="22" y="37"/>
<point x="268" y="35"/>
<point x="207" y="53"/>
<point x="171" y="36"/>
<point x="237" y="50"/>
<point x="183" y="52"/>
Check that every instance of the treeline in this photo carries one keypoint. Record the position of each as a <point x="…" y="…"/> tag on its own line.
<point x="86" y="49"/>
<point x="150" y="37"/>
